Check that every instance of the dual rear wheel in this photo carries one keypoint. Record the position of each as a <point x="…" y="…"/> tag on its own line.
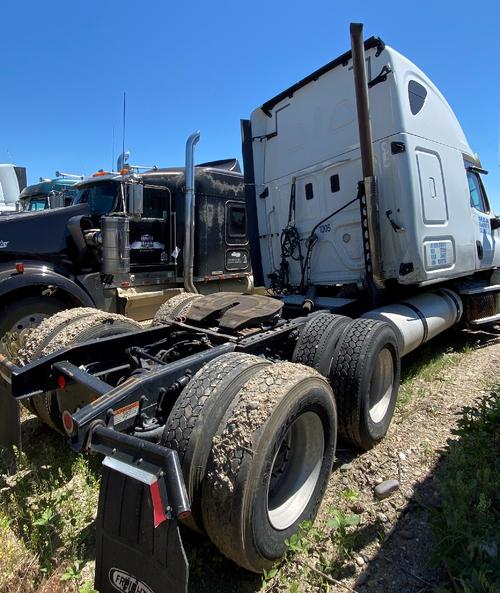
<point x="256" y="441"/>
<point x="360" y="358"/>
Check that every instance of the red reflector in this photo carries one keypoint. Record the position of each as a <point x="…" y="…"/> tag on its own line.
<point x="184" y="515"/>
<point x="61" y="381"/>
<point x="20" y="268"/>
<point x="68" y="423"/>
<point x="158" y="510"/>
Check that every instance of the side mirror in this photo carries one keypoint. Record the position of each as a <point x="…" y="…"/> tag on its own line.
<point x="55" y="199"/>
<point x="495" y="223"/>
<point x="135" y="205"/>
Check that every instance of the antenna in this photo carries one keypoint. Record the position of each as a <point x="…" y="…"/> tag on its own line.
<point x="113" y="149"/>
<point x="123" y="125"/>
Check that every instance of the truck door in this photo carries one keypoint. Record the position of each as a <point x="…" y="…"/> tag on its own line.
<point x="486" y="239"/>
<point x="152" y="238"/>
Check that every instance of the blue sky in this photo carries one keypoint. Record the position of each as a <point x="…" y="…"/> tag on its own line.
<point x="206" y="65"/>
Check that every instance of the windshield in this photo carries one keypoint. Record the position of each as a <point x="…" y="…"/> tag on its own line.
<point x="34" y="203"/>
<point x="100" y="197"/>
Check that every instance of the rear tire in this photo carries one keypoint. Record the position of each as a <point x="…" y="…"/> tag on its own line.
<point x="270" y="464"/>
<point x="317" y="341"/>
<point x="365" y="379"/>
<point x="20" y="316"/>
<point x="175" y="308"/>
<point x="196" y="415"/>
<point x="20" y="319"/>
<point x="95" y="325"/>
<point x="39" y="335"/>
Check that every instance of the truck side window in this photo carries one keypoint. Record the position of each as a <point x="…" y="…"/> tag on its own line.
<point x="416" y="95"/>
<point x="155" y="202"/>
<point x="478" y="199"/>
<point x="237" y="220"/>
<point x="100" y="197"/>
<point x="84" y="196"/>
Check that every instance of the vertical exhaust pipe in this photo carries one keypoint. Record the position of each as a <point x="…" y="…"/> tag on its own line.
<point x="188" y="259"/>
<point x="373" y="264"/>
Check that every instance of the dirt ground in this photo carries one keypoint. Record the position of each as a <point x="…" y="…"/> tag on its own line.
<point x="393" y="539"/>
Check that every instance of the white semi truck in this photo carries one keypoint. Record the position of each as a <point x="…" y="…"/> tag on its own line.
<point x="370" y="226"/>
<point x="12" y="183"/>
<point x="425" y="220"/>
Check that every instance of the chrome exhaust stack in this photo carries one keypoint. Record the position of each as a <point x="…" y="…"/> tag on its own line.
<point x="188" y="259"/>
<point x="373" y="261"/>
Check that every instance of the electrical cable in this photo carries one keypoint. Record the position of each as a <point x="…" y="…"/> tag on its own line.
<point x="291" y="243"/>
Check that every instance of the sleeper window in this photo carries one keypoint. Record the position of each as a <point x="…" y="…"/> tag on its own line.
<point x="334" y="183"/>
<point x="237" y="221"/>
<point x="416" y="95"/>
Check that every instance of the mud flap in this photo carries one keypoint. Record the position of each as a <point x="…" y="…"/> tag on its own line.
<point x="132" y="555"/>
<point x="10" y="422"/>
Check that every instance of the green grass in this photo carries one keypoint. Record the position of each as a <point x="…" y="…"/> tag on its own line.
<point x="426" y="365"/>
<point x="316" y="553"/>
<point x="467" y="530"/>
<point x="47" y="509"/>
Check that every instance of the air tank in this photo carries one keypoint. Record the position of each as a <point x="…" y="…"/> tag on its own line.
<point x="418" y="319"/>
<point x="115" y="245"/>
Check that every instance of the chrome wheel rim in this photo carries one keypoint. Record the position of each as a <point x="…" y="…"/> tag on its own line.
<point x="381" y="385"/>
<point x="295" y="471"/>
<point x="26" y="323"/>
<point x="14" y="338"/>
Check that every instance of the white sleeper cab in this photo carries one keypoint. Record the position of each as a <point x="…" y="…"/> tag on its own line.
<point x="434" y="219"/>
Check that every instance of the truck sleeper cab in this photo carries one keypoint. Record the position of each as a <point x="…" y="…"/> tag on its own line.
<point x="156" y="237"/>
<point x="434" y="219"/>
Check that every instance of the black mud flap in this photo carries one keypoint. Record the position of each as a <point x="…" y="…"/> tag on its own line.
<point x="139" y="547"/>
<point x="10" y="416"/>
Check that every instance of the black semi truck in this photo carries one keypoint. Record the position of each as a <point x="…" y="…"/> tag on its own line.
<point x="121" y="246"/>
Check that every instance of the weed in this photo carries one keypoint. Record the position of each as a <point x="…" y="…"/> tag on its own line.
<point x="87" y="587"/>
<point x="422" y="368"/>
<point x="49" y="503"/>
<point x="350" y="495"/>
<point x="427" y="450"/>
<point x="341" y="535"/>
<point x="73" y="571"/>
<point x="467" y="529"/>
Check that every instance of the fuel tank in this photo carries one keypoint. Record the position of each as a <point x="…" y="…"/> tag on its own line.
<point x="418" y="319"/>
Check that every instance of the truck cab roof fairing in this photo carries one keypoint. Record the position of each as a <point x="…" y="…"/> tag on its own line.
<point x="310" y="125"/>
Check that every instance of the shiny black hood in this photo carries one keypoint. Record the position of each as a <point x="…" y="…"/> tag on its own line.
<point x="37" y="235"/>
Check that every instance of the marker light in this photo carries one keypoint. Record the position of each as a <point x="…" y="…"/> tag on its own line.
<point x="69" y="425"/>
<point x="20" y="268"/>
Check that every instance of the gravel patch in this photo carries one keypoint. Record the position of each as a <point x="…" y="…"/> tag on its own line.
<point x="73" y="330"/>
<point x="37" y="335"/>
